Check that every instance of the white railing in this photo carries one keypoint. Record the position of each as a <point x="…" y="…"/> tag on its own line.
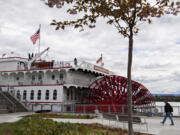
<point x="63" y="64"/>
<point x="176" y="110"/>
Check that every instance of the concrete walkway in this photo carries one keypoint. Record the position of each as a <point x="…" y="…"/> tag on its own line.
<point x="12" y="117"/>
<point x="154" y="125"/>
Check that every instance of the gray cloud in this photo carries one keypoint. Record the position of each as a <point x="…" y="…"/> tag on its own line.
<point x="156" y="48"/>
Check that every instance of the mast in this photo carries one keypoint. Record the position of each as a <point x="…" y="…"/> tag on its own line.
<point x="36" y="57"/>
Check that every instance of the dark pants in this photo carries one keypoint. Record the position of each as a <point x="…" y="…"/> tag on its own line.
<point x="168" y="114"/>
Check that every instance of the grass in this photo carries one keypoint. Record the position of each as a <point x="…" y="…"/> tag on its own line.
<point x="36" y="125"/>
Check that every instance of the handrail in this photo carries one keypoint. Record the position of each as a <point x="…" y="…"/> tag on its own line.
<point x="13" y="104"/>
<point x="24" y="105"/>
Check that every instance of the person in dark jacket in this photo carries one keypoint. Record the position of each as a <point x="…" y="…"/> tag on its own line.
<point x="168" y="112"/>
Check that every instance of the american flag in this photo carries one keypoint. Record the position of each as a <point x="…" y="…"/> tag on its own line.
<point x="99" y="60"/>
<point x="35" y="36"/>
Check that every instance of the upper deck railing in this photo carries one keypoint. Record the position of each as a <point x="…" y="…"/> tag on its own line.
<point x="72" y="64"/>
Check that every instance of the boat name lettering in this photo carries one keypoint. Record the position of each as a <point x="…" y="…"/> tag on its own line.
<point x="63" y="64"/>
<point x="101" y="69"/>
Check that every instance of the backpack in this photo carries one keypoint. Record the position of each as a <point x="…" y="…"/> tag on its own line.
<point x="170" y="108"/>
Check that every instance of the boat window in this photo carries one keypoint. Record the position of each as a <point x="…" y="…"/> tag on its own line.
<point x="32" y="95"/>
<point x="18" y="95"/>
<point x="61" y="76"/>
<point x="24" y="94"/>
<point x="76" y="95"/>
<point x="71" y="94"/>
<point x="33" y="77"/>
<point x="55" y="95"/>
<point x="67" y="94"/>
<point x="39" y="95"/>
<point x="39" y="77"/>
<point x="47" y="94"/>
<point x="53" y="77"/>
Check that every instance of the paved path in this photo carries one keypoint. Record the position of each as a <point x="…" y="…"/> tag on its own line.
<point x="12" y="117"/>
<point x="159" y="129"/>
<point x="154" y="125"/>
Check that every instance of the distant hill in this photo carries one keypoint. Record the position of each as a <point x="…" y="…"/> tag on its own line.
<point x="169" y="97"/>
<point x="177" y="93"/>
<point x="157" y="94"/>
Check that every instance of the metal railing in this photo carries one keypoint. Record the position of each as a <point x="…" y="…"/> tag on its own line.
<point x="90" y="108"/>
<point x="145" y="110"/>
<point x="176" y="110"/>
<point x="24" y="104"/>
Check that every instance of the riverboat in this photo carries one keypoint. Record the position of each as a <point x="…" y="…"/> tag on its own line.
<point x="47" y="85"/>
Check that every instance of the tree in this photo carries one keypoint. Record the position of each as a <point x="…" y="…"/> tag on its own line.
<point x="124" y="15"/>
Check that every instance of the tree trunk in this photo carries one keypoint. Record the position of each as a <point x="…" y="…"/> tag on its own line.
<point x="129" y="90"/>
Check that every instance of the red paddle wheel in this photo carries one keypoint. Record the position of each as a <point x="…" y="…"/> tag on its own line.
<point x="112" y="90"/>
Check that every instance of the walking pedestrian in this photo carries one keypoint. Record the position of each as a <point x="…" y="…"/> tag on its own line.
<point x="168" y="112"/>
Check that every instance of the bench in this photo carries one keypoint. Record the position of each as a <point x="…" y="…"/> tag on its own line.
<point x="124" y="119"/>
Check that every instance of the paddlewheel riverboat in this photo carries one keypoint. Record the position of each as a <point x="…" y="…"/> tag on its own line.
<point x="67" y="85"/>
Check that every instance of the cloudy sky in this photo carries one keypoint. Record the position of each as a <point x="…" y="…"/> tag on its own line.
<point x="156" y="62"/>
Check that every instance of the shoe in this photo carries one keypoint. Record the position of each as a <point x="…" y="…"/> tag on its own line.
<point x="172" y="124"/>
<point x="162" y="123"/>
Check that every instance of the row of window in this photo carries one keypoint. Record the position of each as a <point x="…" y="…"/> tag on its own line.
<point x="72" y="94"/>
<point x="40" y="77"/>
<point x="39" y="95"/>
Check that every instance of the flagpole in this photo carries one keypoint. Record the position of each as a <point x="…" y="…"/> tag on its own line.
<point x="101" y="59"/>
<point x="39" y="38"/>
